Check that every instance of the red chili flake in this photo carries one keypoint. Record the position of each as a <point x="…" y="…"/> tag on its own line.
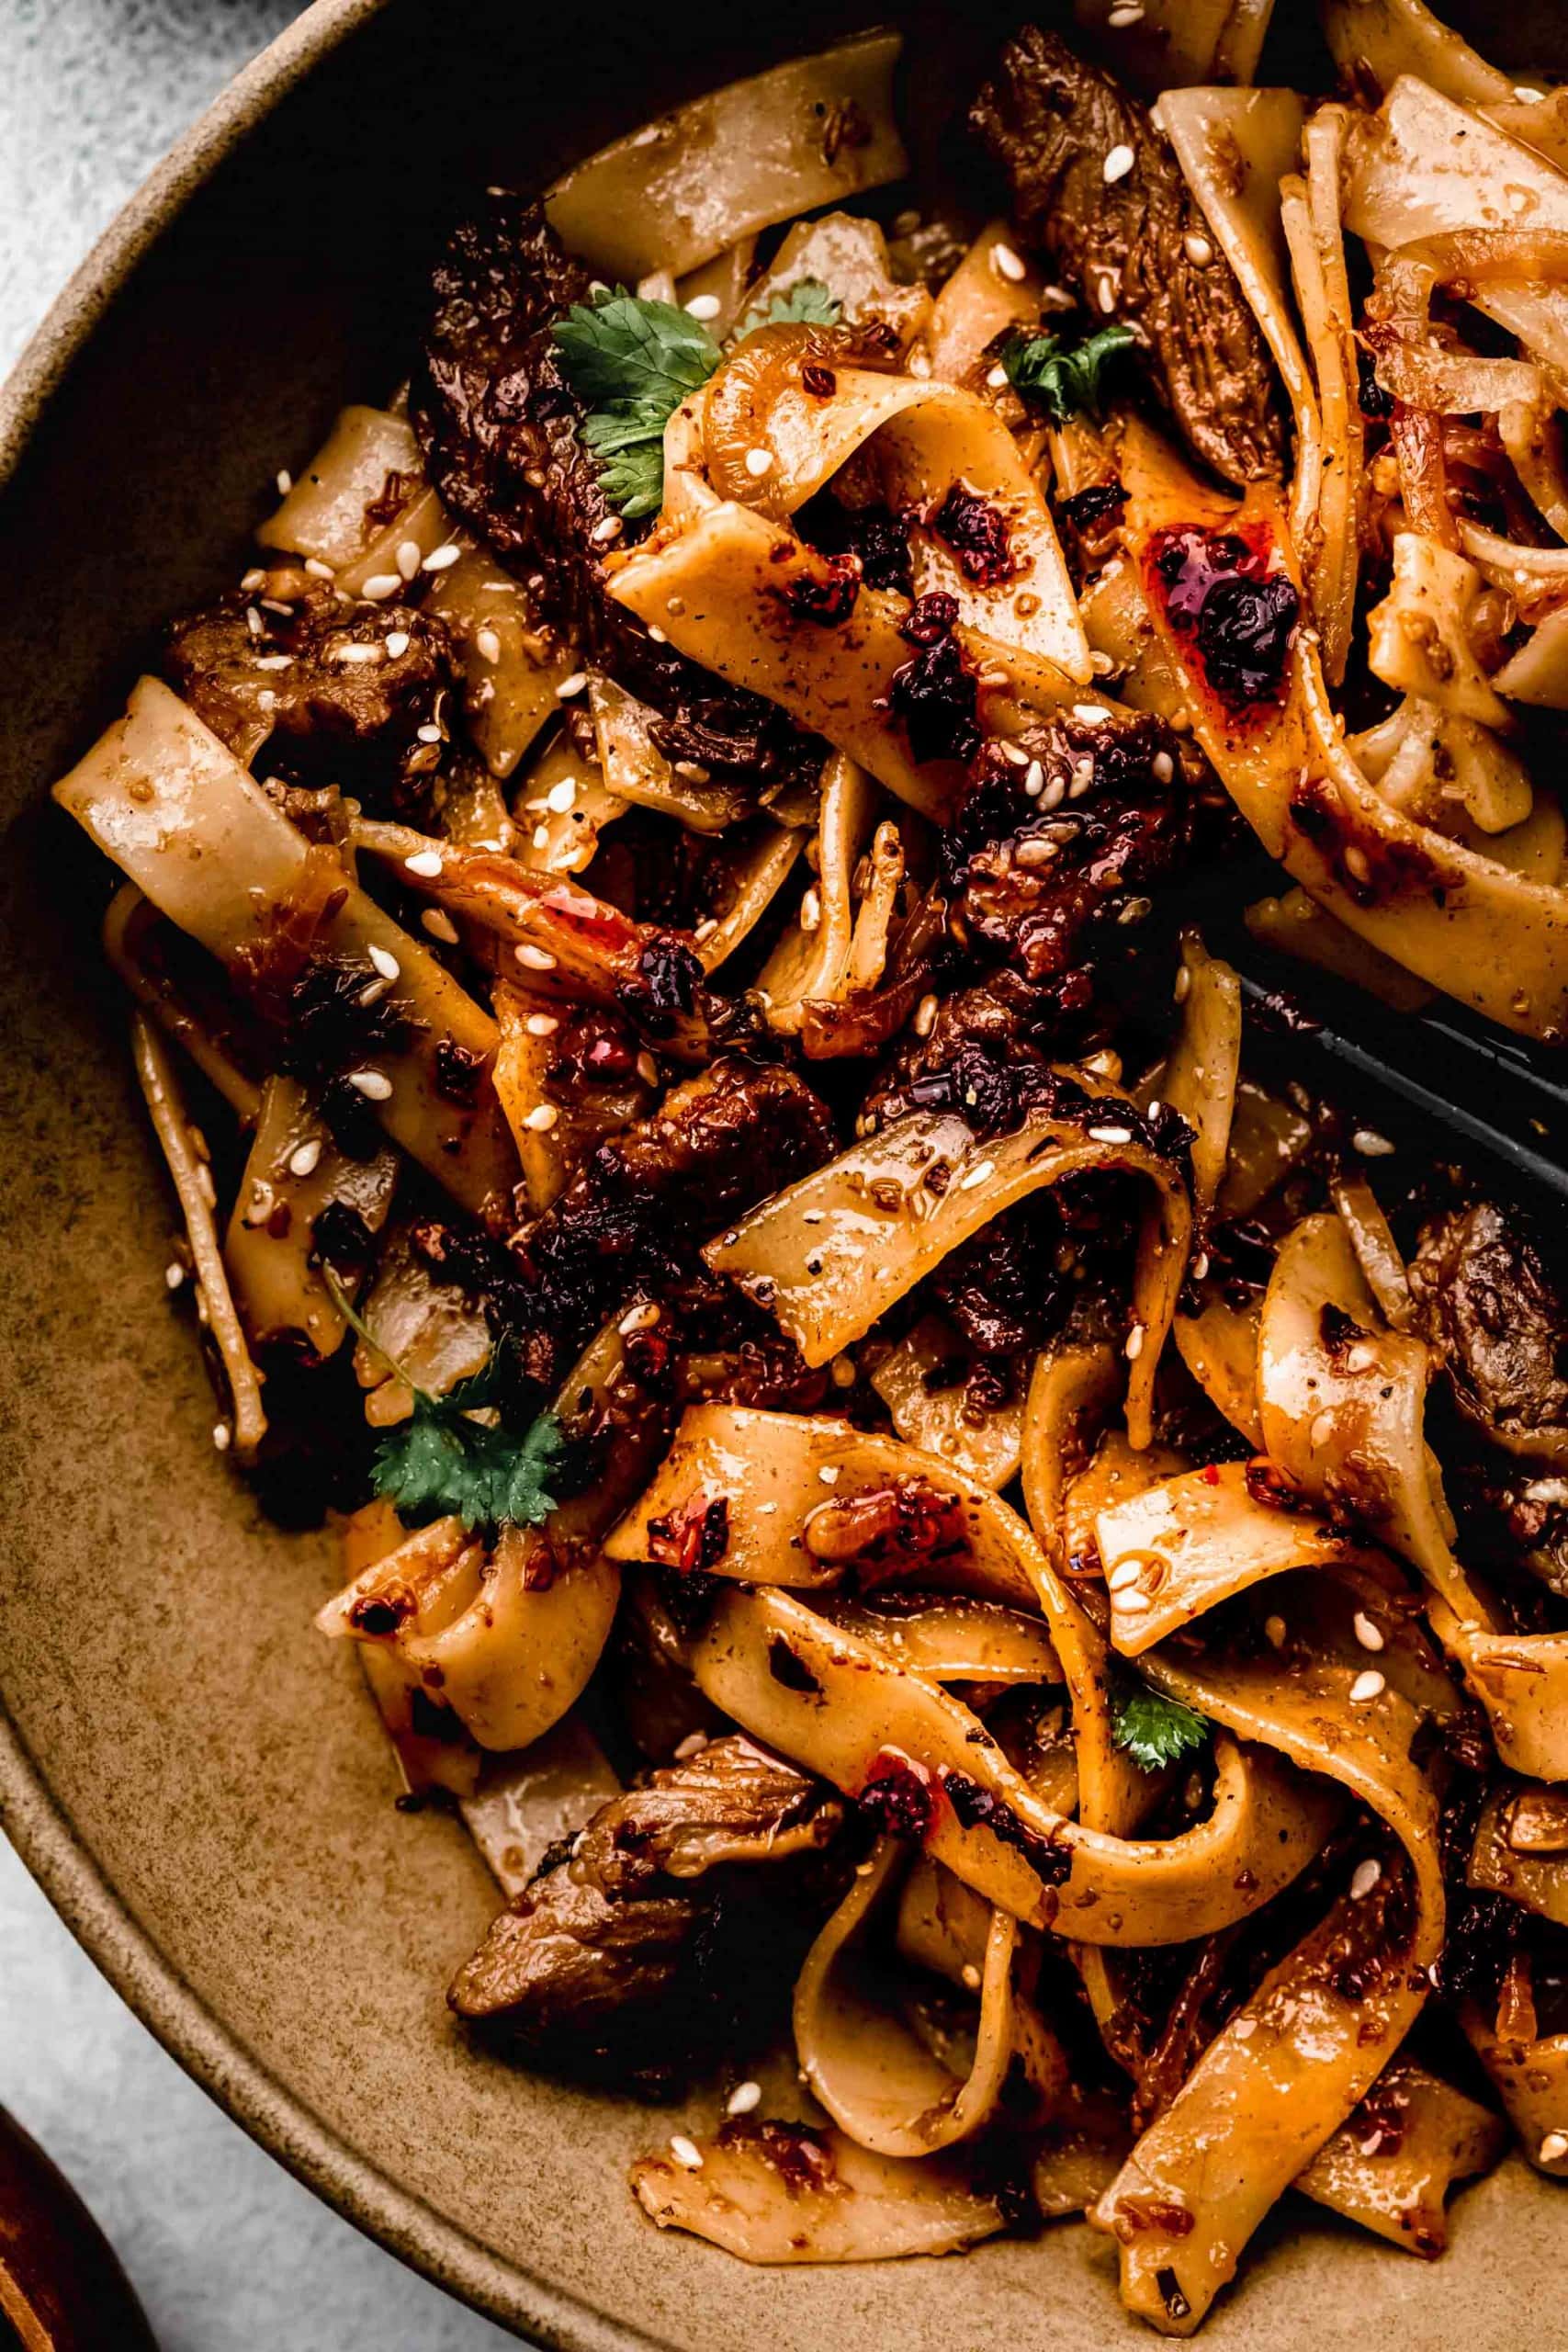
<point x="899" y="1796"/>
<point x="977" y="531"/>
<point x="694" y="1537"/>
<point x="1223" y="591"/>
<point x="976" y="1807"/>
<point x="827" y="597"/>
<point x="935" y="695"/>
<point x="1271" y="1483"/>
<point x="1211" y="1473"/>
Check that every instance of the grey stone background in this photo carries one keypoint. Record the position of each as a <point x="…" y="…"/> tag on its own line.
<point x="227" y="2252"/>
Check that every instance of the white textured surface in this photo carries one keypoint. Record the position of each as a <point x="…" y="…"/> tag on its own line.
<point x="227" y="2252"/>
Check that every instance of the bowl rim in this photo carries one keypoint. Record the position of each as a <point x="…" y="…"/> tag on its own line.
<point x="31" y="1816"/>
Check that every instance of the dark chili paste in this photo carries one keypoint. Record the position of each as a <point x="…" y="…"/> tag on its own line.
<point x="1222" y="593"/>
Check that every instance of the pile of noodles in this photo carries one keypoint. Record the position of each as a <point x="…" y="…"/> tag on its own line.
<point x="1087" y="1557"/>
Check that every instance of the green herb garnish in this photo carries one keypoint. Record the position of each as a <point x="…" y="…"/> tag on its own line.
<point x="1154" y="1730"/>
<point x="806" y="303"/>
<point x="441" y="1460"/>
<point x="1064" y="382"/>
<point x="633" y="363"/>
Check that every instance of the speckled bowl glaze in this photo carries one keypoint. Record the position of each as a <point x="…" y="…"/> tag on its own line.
<point x="195" y="1779"/>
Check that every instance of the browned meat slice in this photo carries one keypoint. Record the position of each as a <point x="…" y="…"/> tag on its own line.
<point x="498" y="427"/>
<point x="1050" y="121"/>
<point x="717" y="1143"/>
<point x="1492" y="1308"/>
<point x="629" y="1950"/>
<point x="338" y="693"/>
<point x="1041" y="859"/>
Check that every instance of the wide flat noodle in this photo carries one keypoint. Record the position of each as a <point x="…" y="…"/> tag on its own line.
<point x="1391" y="2165"/>
<point x="1490" y="937"/>
<point x="774" y="2192"/>
<point x="879" y="2079"/>
<point x="508" y="1640"/>
<point x="163" y="797"/>
<point x="776" y="1473"/>
<point x="1286" y="2069"/>
<point x="675" y="193"/>
<point x="1179" y="1549"/>
<point x="1530" y="2073"/>
<point x="926" y="437"/>
<point x="831" y="1253"/>
<point x="848" y="1712"/>
<point x="986" y="1446"/>
<point x="274" y="1267"/>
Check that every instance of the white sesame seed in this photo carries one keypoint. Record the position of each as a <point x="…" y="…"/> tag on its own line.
<point x="1183" y="982"/>
<point x="647" y="1068"/>
<point x="541" y="1118"/>
<point x="222" y="1436"/>
<point x="1092" y="713"/>
<point x="440" y="925"/>
<point x="541" y="1025"/>
<point x="604" y="532"/>
<point x="374" y="1084"/>
<point x="360" y="650"/>
<point x="1370" y="1144"/>
<point x="1368" y="1635"/>
<point x="1200" y="251"/>
<point x="253" y="579"/>
<point x="657" y="634"/>
<point x="997" y="377"/>
<point x="759" y="462"/>
<point x="534" y="959"/>
<point x="426" y="863"/>
<point x="382" y="584"/>
<point x="1034" y="779"/>
<point x="273" y="662"/>
<point x="428" y="732"/>
<point x="573" y="685"/>
<point x="1364" y="1877"/>
<point x="255" y="622"/>
<point x="1244" y="2028"/>
<point x="1553" y="2147"/>
<point x="1199" y="1265"/>
<point x="1526" y="96"/>
<point x="1134" y="1347"/>
<point x="830" y="1474"/>
<point x="1322" y="1430"/>
<point x="1274" y="1627"/>
<point x="686" y="2153"/>
<point x="925" y="1016"/>
<point x="1108" y="294"/>
<point x="284" y="482"/>
<point x="971" y="1975"/>
<point x="1126" y="12"/>
<point x="1013" y="752"/>
<point x="1132" y="1604"/>
<point x="810" y="911"/>
<point x="1163" y="767"/>
<point x="1117" y="164"/>
<point x="1121" y="1576"/>
<point x="560" y="796"/>
<point x="398" y="643"/>
<point x="1109" y="1135"/>
<point x="173" y="1274"/>
<point x="843" y="1371"/>
<point x="441" y="559"/>
<point x="1367" y="1686"/>
<point x="305" y="1158"/>
<point x="746" y="2098"/>
<point x="317" y="568"/>
<point x="203" y="1314"/>
<point x="706" y="929"/>
<point x="1008" y="264"/>
<point x="1357" y="865"/>
<point x="489" y="644"/>
<point x="638" y="1319"/>
<point x="978" y="1175"/>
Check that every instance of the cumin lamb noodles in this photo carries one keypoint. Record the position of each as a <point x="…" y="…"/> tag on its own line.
<point x="987" y="1570"/>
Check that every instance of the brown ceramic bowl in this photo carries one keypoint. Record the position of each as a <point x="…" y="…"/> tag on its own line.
<point x="194" y="1777"/>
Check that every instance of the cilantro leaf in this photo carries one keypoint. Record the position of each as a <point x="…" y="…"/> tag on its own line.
<point x="1064" y="382"/>
<point x="1154" y="1730"/>
<point x="806" y="303"/>
<point x="632" y="362"/>
<point x="441" y="1460"/>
